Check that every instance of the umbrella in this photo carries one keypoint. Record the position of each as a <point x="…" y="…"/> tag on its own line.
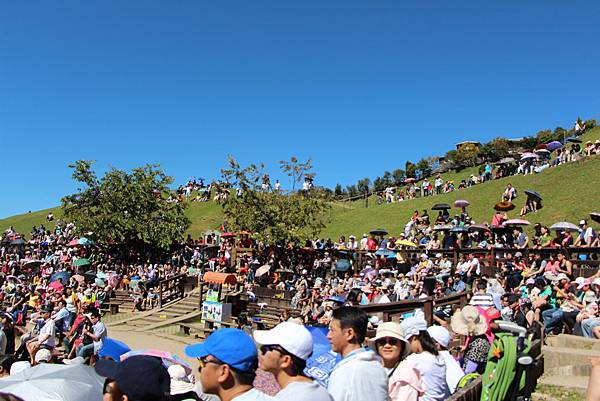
<point x="410" y="180"/>
<point x="441" y="206"/>
<point x="504" y="206"/>
<point x="85" y="241"/>
<point x="542" y="151"/>
<point x="81" y="262"/>
<point x="99" y="282"/>
<point x="73" y="242"/>
<point x="14" y="278"/>
<point x="552" y="146"/>
<point x="461" y="203"/>
<point x="478" y="227"/>
<point x="379" y="231"/>
<point x="595" y="216"/>
<point x="30" y="264"/>
<point x="168" y="359"/>
<point x="79" y="278"/>
<point x="227" y="235"/>
<point x="65" y="276"/>
<point x="574" y="140"/>
<point x="516" y="222"/>
<point x="533" y="194"/>
<point x="405" y="242"/>
<point x="18" y="241"/>
<point x="506" y="160"/>
<point x="262" y="270"/>
<point x="542" y="146"/>
<point x="337" y="298"/>
<point x="49" y="382"/>
<point x="101" y="275"/>
<point x="459" y="230"/>
<point x="113" y="348"/>
<point x="56" y="286"/>
<point x="442" y="227"/>
<point x="528" y="155"/>
<point x="384" y="252"/>
<point x="564" y="226"/>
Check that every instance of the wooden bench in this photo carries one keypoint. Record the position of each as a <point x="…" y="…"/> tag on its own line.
<point x="186" y="328"/>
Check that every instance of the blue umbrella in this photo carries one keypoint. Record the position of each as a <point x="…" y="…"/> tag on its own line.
<point x="337" y="298"/>
<point x="113" y="349"/>
<point x="552" y="146"/>
<point x="384" y="252"/>
<point x="64" y="275"/>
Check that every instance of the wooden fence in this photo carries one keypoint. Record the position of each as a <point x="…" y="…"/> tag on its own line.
<point x="171" y="289"/>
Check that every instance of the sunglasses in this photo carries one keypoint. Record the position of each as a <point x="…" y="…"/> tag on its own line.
<point x="202" y="362"/>
<point x="390" y="341"/>
<point x="266" y="348"/>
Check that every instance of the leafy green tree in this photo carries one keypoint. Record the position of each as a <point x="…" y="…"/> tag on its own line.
<point x="363" y="185"/>
<point x="352" y="190"/>
<point x="411" y="170"/>
<point x="423" y="168"/>
<point x="338" y="191"/>
<point x="398" y="176"/>
<point x="379" y="184"/>
<point x="496" y="149"/>
<point x="544" y="136"/>
<point x="126" y="208"/>
<point x="297" y="171"/>
<point x="274" y="218"/>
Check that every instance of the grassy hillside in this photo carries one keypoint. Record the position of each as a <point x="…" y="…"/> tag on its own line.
<point x="570" y="192"/>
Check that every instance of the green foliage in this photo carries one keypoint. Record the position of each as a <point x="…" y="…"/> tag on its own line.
<point x="423" y="168"/>
<point x="296" y="171"/>
<point x="398" y="176"/>
<point x="496" y="149"/>
<point x="352" y="190"/>
<point x="363" y="185"/>
<point x="411" y="170"/>
<point x="544" y="136"/>
<point x="273" y="217"/>
<point x="465" y="156"/>
<point x="338" y="191"/>
<point x="129" y="209"/>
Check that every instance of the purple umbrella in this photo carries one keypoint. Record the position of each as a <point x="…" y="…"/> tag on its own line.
<point x="552" y="146"/>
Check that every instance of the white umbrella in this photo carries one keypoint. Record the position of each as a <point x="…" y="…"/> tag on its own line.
<point x="262" y="270"/>
<point x="529" y="155"/>
<point x="50" y="382"/>
<point x="564" y="226"/>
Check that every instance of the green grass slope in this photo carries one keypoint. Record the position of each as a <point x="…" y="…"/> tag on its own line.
<point x="570" y="192"/>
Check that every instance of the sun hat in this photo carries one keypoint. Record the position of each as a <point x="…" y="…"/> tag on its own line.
<point x="579" y="280"/>
<point x="179" y="381"/>
<point x="530" y="281"/>
<point x="412" y="326"/>
<point x="596" y="281"/>
<point x="562" y="276"/>
<point x="43" y="355"/>
<point x="232" y="346"/>
<point x="468" y="321"/>
<point x="440" y="335"/>
<point x="585" y="282"/>
<point x="292" y="337"/>
<point x="140" y="377"/>
<point x="388" y="329"/>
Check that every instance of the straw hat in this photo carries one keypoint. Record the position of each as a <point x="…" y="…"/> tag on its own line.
<point x="388" y="329"/>
<point x="468" y="322"/>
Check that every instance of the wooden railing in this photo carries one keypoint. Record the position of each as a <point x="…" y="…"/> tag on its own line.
<point x="171" y="289"/>
<point x="394" y="310"/>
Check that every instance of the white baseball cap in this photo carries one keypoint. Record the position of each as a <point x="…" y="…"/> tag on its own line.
<point x="43" y="355"/>
<point x="440" y="335"/>
<point x="293" y="337"/>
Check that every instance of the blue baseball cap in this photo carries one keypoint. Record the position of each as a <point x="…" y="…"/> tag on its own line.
<point x="232" y="346"/>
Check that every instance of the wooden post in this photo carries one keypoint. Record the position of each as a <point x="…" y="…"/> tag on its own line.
<point x="428" y="310"/>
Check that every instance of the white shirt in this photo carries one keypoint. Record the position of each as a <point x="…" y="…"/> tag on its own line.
<point x="253" y="395"/>
<point x="48" y="329"/>
<point x="453" y="370"/>
<point x="304" y="391"/>
<point x="433" y="375"/>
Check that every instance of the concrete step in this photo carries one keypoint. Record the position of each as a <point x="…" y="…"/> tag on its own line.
<point x="579" y="382"/>
<point x="570" y="341"/>
<point x="567" y="360"/>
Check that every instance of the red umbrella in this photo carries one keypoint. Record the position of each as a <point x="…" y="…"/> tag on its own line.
<point x="74" y="242"/>
<point x="57" y="286"/>
<point x="542" y="146"/>
<point x="516" y="222"/>
<point x="227" y="235"/>
<point x="410" y="180"/>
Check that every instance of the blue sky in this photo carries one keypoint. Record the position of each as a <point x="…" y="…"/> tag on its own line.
<point x="359" y="86"/>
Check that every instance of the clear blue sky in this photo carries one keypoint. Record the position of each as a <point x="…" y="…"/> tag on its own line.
<point x="359" y="86"/>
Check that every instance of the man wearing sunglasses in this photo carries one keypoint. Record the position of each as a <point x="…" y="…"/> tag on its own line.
<point x="227" y="363"/>
<point x="284" y="352"/>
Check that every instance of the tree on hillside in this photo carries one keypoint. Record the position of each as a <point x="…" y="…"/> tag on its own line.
<point x="423" y="168"/>
<point x="496" y="149"/>
<point x="398" y="176"/>
<point x="544" y="136"/>
<point x="273" y="217"/>
<point x="338" y="191"/>
<point x="465" y="156"/>
<point x="352" y="190"/>
<point x="411" y="170"/>
<point x="125" y="208"/>
<point x="363" y="185"/>
<point x="297" y="171"/>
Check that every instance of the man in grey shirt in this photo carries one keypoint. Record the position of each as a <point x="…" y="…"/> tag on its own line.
<point x="283" y="352"/>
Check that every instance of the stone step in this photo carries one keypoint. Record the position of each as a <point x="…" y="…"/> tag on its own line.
<point x="571" y="341"/>
<point x="579" y="382"/>
<point x="567" y="358"/>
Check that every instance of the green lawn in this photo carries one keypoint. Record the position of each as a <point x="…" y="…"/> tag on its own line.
<point x="570" y="192"/>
